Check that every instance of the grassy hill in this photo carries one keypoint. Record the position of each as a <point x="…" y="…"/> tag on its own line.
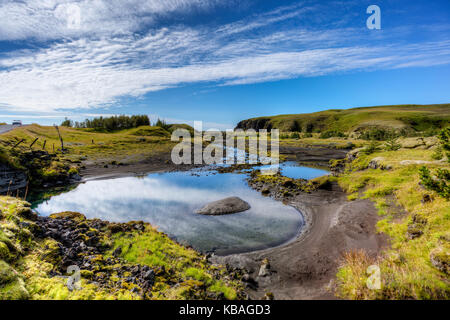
<point x="401" y="117"/>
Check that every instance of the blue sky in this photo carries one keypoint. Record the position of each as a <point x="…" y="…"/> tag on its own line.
<point x="215" y="60"/>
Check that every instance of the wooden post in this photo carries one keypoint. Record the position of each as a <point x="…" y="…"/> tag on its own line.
<point x="43" y="147"/>
<point x="60" y="138"/>
<point x="9" y="186"/>
<point x="26" y="193"/>
<point x="33" y="142"/>
<point x="19" y="143"/>
<point x="53" y="148"/>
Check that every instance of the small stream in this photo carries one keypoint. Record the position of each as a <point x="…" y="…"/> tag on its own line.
<point x="169" y="201"/>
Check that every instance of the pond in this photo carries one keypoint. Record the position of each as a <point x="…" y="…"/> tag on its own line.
<point x="169" y="201"/>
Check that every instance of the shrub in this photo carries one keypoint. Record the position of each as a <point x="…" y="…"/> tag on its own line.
<point x="115" y="122"/>
<point x="392" y="144"/>
<point x="331" y="134"/>
<point x="371" y="148"/>
<point x="295" y="135"/>
<point x="162" y="124"/>
<point x="438" y="154"/>
<point x="438" y="183"/>
<point x="378" y="134"/>
<point x="67" y="123"/>
<point x="444" y="137"/>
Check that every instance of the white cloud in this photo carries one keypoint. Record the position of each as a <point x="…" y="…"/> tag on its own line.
<point x="48" y="19"/>
<point x="99" y="67"/>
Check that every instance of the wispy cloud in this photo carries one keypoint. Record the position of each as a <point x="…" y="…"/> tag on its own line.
<point x="98" y="67"/>
<point x="48" y="19"/>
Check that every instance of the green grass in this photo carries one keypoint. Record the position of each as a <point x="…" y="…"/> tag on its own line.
<point x="84" y="143"/>
<point x="414" y="117"/>
<point x="406" y="268"/>
<point x="185" y="266"/>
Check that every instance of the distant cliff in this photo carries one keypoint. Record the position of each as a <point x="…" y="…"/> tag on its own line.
<point x="407" y="117"/>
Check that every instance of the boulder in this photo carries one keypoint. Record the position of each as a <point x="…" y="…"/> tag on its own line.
<point x="264" y="270"/>
<point x="224" y="206"/>
<point x="440" y="259"/>
<point x="376" y="163"/>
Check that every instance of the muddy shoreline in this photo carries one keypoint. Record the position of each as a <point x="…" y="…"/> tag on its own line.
<point x="306" y="267"/>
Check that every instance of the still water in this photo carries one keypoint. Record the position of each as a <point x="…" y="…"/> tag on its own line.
<point x="169" y="201"/>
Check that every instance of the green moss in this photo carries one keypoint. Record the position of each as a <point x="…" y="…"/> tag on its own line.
<point x="50" y="252"/>
<point x="7" y="274"/>
<point x="14" y="290"/>
<point x="4" y="251"/>
<point x="228" y="292"/>
<point x="76" y="216"/>
<point x="172" y="262"/>
<point x="198" y="274"/>
<point x="73" y="171"/>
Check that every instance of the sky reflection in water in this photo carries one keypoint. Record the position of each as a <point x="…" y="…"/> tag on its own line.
<point x="169" y="201"/>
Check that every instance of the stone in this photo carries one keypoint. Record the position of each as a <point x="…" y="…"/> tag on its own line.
<point x="224" y="206"/>
<point x="264" y="270"/>
<point x="249" y="281"/>
<point x="440" y="259"/>
<point x="427" y="198"/>
<point x="117" y="252"/>
<point x="288" y="184"/>
<point x="376" y="163"/>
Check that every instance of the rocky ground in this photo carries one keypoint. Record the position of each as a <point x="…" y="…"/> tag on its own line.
<point x="81" y="242"/>
<point x="115" y="260"/>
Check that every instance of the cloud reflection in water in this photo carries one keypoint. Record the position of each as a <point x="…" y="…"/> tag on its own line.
<point x="169" y="201"/>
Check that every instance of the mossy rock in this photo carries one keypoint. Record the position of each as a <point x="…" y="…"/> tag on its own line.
<point x="51" y="252"/>
<point x="12" y="286"/>
<point x="14" y="290"/>
<point x="440" y="259"/>
<point x="192" y="289"/>
<point x="26" y="212"/>
<point x="25" y="235"/>
<point x="116" y="227"/>
<point x="76" y="216"/>
<point x="87" y="274"/>
<point x="4" y="251"/>
<point x="7" y="274"/>
<point x="4" y="239"/>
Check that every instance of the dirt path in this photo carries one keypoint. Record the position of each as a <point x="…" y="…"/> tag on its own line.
<point x="306" y="267"/>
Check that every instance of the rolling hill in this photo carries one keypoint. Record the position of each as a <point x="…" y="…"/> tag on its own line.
<point x="406" y="117"/>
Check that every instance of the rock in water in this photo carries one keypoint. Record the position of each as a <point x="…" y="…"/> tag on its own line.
<point x="224" y="206"/>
